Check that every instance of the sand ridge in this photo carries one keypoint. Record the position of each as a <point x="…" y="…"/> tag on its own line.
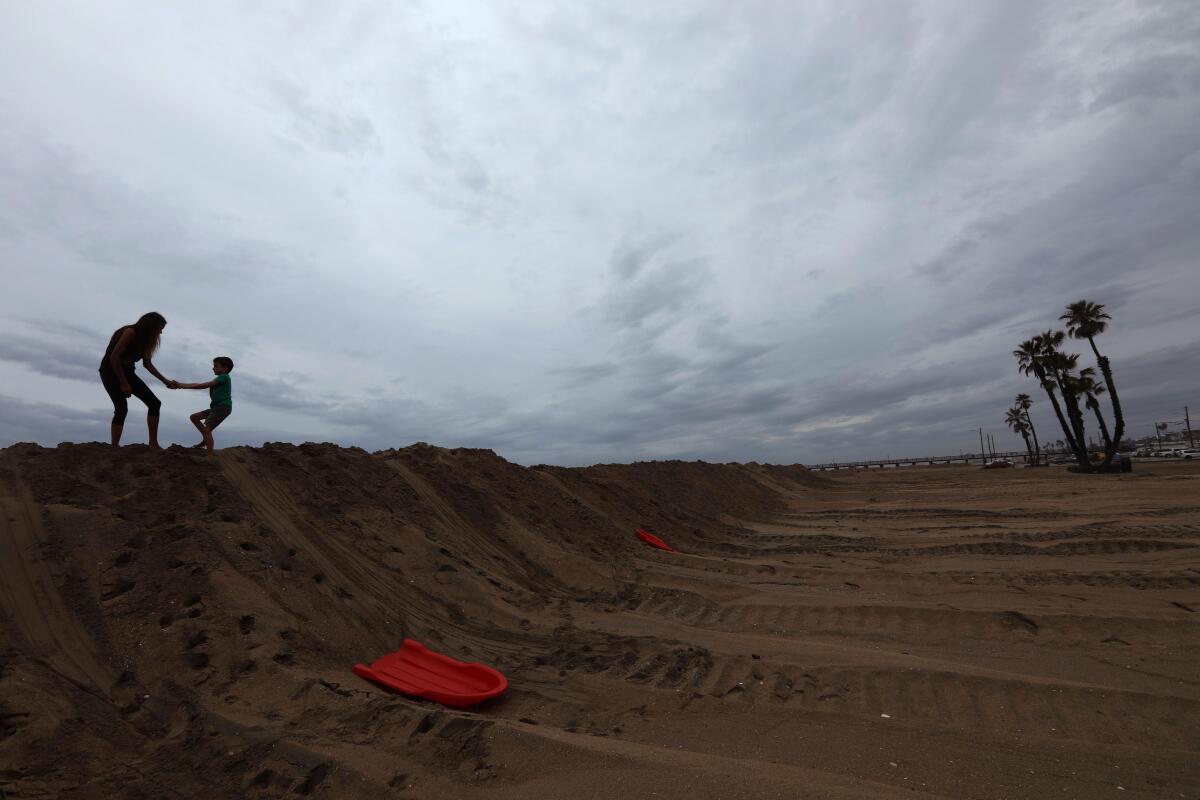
<point x="177" y="626"/>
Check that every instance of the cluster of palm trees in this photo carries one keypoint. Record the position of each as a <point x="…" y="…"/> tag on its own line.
<point x="1018" y="419"/>
<point x="1071" y="389"/>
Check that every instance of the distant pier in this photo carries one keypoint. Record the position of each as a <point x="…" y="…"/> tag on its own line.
<point x="882" y="463"/>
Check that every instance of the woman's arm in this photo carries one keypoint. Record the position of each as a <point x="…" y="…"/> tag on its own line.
<point x="114" y="359"/>
<point x="154" y="371"/>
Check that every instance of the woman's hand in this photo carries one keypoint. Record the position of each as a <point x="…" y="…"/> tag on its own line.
<point x="126" y="390"/>
<point x="171" y="384"/>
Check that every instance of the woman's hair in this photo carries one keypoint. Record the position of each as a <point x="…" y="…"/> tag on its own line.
<point x="146" y="332"/>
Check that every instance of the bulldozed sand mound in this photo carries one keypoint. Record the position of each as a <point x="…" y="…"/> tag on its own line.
<point x="179" y="626"/>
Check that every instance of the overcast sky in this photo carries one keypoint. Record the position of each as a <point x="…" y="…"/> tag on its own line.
<point x="577" y="232"/>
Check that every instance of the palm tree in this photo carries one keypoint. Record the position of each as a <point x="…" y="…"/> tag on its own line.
<point x="1058" y="365"/>
<point x="1015" y="419"/>
<point x="1085" y="384"/>
<point x="1025" y="402"/>
<point x="1062" y="365"/>
<point x="1030" y="357"/>
<point x="1087" y="320"/>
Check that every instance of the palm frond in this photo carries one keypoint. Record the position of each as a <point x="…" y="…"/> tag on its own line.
<point x="1085" y="319"/>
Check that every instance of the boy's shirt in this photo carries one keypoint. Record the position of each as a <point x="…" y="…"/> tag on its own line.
<point x="221" y="394"/>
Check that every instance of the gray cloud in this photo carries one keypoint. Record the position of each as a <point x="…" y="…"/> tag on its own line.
<point x="1156" y="385"/>
<point x="630" y="256"/>
<point x="666" y="291"/>
<point x="594" y="232"/>
<point x="586" y="373"/>
<point x="51" y="358"/>
<point x="46" y="423"/>
<point x="282" y="394"/>
<point x="343" y="131"/>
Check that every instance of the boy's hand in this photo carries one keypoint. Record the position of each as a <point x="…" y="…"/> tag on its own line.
<point x="172" y="384"/>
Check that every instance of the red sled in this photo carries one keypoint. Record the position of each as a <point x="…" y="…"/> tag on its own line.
<point x="416" y="670"/>
<point x="653" y="541"/>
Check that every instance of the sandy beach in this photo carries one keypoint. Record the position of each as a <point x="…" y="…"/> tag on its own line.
<point x="177" y="626"/>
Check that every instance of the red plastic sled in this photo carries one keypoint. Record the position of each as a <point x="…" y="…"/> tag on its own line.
<point x="653" y="541"/>
<point x="416" y="670"/>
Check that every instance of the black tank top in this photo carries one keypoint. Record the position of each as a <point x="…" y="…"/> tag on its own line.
<point x="128" y="358"/>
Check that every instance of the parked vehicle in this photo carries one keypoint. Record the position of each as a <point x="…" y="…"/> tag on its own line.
<point x="1188" y="453"/>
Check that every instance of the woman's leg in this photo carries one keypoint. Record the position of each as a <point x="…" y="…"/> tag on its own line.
<point x="142" y="392"/>
<point x="120" y="405"/>
<point x="152" y="428"/>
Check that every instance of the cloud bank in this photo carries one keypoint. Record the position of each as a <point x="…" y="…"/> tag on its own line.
<point x="595" y="231"/>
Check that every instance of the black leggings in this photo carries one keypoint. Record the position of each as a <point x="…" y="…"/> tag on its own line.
<point x="112" y="385"/>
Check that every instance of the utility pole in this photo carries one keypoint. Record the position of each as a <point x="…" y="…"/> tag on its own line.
<point x="982" y="449"/>
<point x="1188" y="422"/>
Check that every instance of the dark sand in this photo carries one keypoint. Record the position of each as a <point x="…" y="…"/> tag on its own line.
<point x="176" y="626"/>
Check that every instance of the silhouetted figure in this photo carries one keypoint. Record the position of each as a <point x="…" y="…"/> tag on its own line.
<point x="128" y="345"/>
<point x="220" y="395"/>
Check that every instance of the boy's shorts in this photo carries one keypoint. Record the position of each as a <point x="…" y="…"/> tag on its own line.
<point x="216" y="415"/>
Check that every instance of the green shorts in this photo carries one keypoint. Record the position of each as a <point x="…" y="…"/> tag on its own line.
<point x="216" y="415"/>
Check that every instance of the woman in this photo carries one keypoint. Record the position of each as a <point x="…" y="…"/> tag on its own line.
<point x="128" y="345"/>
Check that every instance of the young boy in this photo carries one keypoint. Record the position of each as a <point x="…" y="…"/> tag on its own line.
<point x="220" y="391"/>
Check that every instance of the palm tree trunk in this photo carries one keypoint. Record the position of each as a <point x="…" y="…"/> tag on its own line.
<point x="1041" y="376"/>
<point x="1076" y="415"/>
<point x="1071" y="401"/>
<point x="1037" y="450"/>
<point x="1028" y="446"/>
<point x="1118" y="418"/>
<point x="1075" y="433"/>
<point x="1095" y="406"/>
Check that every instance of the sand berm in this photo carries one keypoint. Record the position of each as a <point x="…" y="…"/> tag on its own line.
<point x="182" y="626"/>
